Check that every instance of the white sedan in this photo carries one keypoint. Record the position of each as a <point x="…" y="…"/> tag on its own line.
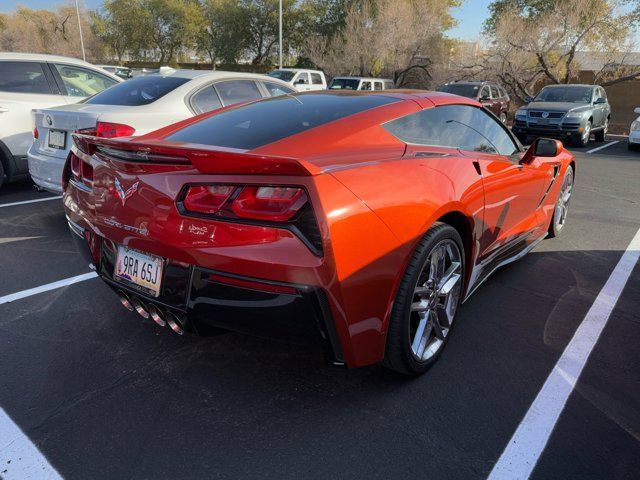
<point x="634" y="132"/>
<point x="136" y="107"/>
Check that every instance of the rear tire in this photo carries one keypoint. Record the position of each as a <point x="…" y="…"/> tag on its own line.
<point x="426" y="302"/>
<point x="561" y="208"/>
<point x="632" y="146"/>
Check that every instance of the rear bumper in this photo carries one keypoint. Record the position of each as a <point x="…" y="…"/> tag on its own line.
<point x="45" y="170"/>
<point x="212" y="300"/>
<point x="634" y="137"/>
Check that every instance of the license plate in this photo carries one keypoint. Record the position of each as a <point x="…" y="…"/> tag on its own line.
<point x="57" y="139"/>
<point x="140" y="269"/>
<point x="543" y="121"/>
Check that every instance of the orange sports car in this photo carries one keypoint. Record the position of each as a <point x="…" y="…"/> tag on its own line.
<point x="358" y="222"/>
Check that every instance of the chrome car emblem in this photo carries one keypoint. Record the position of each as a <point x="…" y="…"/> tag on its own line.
<point x="125" y="195"/>
<point x="545" y="114"/>
<point x="49" y="120"/>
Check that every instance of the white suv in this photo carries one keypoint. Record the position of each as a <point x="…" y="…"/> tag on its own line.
<point x="361" y="83"/>
<point x="29" y="81"/>
<point x="301" y="79"/>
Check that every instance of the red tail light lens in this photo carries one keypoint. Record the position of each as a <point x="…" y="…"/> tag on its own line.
<point x="207" y="199"/>
<point x="112" y="130"/>
<point x="35" y="133"/>
<point x="276" y="204"/>
<point x="81" y="170"/>
<point x="281" y="206"/>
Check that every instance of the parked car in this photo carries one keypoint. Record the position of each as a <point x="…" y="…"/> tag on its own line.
<point x="569" y="112"/>
<point x="269" y="218"/>
<point x="29" y="81"/>
<point x="634" y="132"/>
<point x="491" y="95"/>
<point x="360" y="83"/>
<point x="301" y="79"/>
<point x="137" y="107"/>
<point x="122" y="72"/>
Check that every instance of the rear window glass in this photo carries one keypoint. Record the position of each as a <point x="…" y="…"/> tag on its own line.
<point x="464" y="90"/>
<point x="138" y="91"/>
<point x="285" y="75"/>
<point x="344" y="84"/>
<point x="256" y="124"/>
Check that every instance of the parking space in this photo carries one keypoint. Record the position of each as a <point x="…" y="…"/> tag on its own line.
<point x="104" y="394"/>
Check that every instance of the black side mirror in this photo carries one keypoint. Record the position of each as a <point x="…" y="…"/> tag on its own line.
<point x="546" y="147"/>
<point x="300" y="81"/>
<point x="528" y="99"/>
<point x="542" y="147"/>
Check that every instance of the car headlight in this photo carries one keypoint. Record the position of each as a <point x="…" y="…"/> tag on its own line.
<point x="575" y="114"/>
<point x="521" y="113"/>
<point x="635" y="125"/>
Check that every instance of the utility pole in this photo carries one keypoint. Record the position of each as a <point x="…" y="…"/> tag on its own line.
<point x="84" y="57"/>
<point x="279" y="34"/>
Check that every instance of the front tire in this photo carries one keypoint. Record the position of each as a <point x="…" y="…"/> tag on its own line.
<point x="601" y="135"/>
<point x="562" y="204"/>
<point x="426" y="302"/>
<point x="584" y="138"/>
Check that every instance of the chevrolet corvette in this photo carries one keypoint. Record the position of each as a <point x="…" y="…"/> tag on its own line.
<point x="357" y="222"/>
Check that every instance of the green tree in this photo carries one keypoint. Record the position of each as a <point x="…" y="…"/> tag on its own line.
<point x="169" y="26"/>
<point x="222" y="36"/>
<point x="115" y="24"/>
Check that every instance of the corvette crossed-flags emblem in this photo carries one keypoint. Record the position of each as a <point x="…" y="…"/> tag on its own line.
<point x="125" y="195"/>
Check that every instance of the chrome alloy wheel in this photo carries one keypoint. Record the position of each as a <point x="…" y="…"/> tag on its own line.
<point x="587" y="132"/>
<point x="562" y="205"/>
<point x="435" y="299"/>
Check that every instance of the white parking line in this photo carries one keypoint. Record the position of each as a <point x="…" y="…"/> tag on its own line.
<point x="31" y="201"/>
<point x="528" y="442"/>
<point x="597" y="149"/>
<point x="19" y="457"/>
<point x="45" y="288"/>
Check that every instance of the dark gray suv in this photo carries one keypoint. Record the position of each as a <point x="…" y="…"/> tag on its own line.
<point x="567" y="112"/>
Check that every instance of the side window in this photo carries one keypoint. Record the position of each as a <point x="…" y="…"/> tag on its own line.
<point x="484" y="93"/>
<point x="601" y="93"/>
<point x="82" y="82"/>
<point x="23" y="77"/>
<point x="457" y="126"/>
<point x="503" y="92"/>
<point x="365" y="86"/>
<point x="206" y="100"/>
<point x="316" y="79"/>
<point x="302" y="79"/>
<point x="388" y="84"/>
<point x="275" y="90"/>
<point x="377" y="85"/>
<point x="236" y="91"/>
<point x="495" y="93"/>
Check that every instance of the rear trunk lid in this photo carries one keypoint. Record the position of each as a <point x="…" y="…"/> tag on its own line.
<point x="56" y="125"/>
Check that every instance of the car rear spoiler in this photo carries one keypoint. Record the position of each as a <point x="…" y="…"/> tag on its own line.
<point x="207" y="160"/>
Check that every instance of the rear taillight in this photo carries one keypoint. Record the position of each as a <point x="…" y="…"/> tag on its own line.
<point x="277" y="204"/>
<point x="35" y="133"/>
<point x="280" y="206"/>
<point x="113" y="130"/>
<point x="81" y="171"/>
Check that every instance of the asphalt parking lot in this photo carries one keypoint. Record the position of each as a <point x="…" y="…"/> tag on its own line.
<point x="105" y="394"/>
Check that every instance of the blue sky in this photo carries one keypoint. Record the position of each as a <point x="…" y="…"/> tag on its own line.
<point x="470" y="15"/>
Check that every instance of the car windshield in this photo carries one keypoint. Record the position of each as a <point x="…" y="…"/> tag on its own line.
<point x="138" y="91"/>
<point x="565" y="94"/>
<point x="344" y="84"/>
<point x="464" y="90"/>
<point x="284" y="75"/>
<point x="267" y="121"/>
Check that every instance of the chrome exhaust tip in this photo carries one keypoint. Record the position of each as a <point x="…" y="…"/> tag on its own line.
<point x="140" y="307"/>
<point x="124" y="299"/>
<point x="156" y="315"/>
<point x="175" y="323"/>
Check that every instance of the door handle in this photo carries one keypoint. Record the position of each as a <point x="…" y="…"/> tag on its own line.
<point x="3" y="109"/>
